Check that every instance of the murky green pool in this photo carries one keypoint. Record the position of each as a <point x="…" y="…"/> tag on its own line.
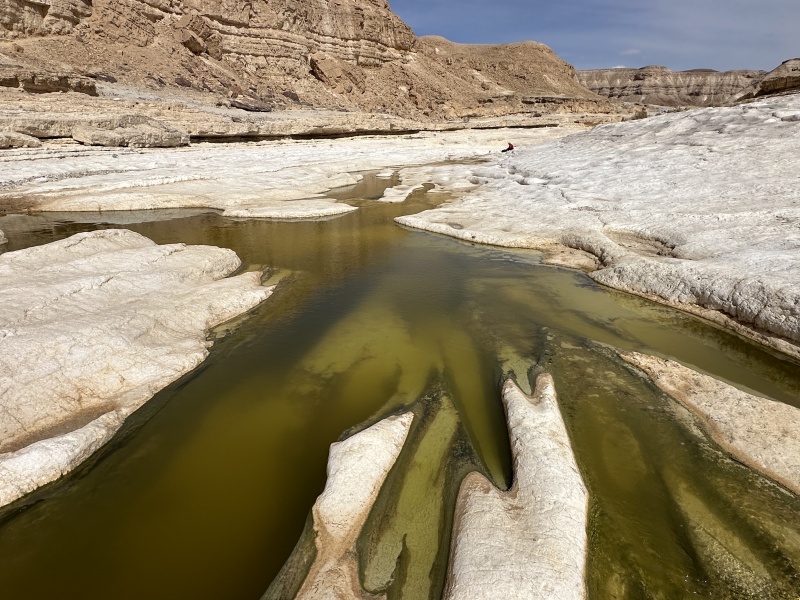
<point x="206" y="491"/>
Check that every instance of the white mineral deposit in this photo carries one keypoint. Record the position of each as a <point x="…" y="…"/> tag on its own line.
<point x="759" y="432"/>
<point x="529" y="542"/>
<point x="697" y="208"/>
<point x="91" y="327"/>
<point x="357" y="468"/>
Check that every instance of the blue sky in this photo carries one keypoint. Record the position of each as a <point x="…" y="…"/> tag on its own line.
<point x="593" y="34"/>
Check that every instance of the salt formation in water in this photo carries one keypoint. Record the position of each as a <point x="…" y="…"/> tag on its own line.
<point x="694" y="208"/>
<point x="761" y="433"/>
<point x="91" y="327"/>
<point x="529" y="542"/>
<point x="357" y="468"/>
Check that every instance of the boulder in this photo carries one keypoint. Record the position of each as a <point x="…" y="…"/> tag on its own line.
<point x="43" y="82"/>
<point x="11" y="139"/>
<point x="148" y="133"/>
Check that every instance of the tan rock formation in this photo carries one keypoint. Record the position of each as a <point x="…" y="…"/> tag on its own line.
<point x="664" y="87"/>
<point x="348" y="55"/>
<point x="786" y="78"/>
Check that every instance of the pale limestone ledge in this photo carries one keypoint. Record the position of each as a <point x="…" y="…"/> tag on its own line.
<point x="3" y="239"/>
<point x="694" y="208"/>
<point x="761" y="433"/>
<point x="530" y="542"/>
<point x="357" y="468"/>
<point x="91" y="327"/>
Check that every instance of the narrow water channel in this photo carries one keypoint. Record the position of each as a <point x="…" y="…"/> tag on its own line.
<point x="208" y="488"/>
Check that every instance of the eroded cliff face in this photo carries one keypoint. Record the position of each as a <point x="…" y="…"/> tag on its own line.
<point x="340" y="54"/>
<point x="662" y="86"/>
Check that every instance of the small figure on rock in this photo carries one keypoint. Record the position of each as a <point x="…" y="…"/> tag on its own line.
<point x="509" y="149"/>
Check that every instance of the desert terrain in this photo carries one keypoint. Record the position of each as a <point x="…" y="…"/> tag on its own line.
<point x="123" y="113"/>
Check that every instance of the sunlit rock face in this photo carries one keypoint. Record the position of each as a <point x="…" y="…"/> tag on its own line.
<point x="665" y="87"/>
<point x="785" y="78"/>
<point x="761" y="433"/>
<point x="91" y="327"/>
<point x="529" y="542"/>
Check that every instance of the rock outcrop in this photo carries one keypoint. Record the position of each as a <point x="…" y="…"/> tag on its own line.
<point x="345" y="55"/>
<point x="654" y="203"/>
<point x="761" y="433"/>
<point x="529" y="542"/>
<point x="786" y="78"/>
<point x="357" y="468"/>
<point x="664" y="87"/>
<point x="91" y="327"/>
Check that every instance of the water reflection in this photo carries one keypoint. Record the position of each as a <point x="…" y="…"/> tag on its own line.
<point x="208" y="488"/>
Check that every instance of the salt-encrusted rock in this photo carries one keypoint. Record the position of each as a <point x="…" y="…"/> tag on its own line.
<point x="761" y="433"/>
<point x="699" y="208"/>
<point x="530" y="542"/>
<point x="90" y="328"/>
<point x="12" y="139"/>
<point x="357" y="468"/>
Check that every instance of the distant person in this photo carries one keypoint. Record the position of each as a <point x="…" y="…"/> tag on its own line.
<point x="509" y="149"/>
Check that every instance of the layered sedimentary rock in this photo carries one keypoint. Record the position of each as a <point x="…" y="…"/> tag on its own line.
<point x="662" y="86"/>
<point x="786" y="78"/>
<point x="91" y="327"/>
<point x="349" y="54"/>
<point x="529" y="542"/>
<point x="761" y="433"/>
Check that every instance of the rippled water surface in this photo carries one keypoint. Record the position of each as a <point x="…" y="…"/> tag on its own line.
<point x="206" y="491"/>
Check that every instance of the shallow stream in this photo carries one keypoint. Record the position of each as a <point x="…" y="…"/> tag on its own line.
<point x="205" y="492"/>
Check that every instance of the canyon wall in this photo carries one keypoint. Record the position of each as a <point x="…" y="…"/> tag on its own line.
<point x="662" y="86"/>
<point x="339" y="54"/>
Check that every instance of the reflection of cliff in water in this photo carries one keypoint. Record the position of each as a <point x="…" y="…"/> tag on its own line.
<point x="209" y="488"/>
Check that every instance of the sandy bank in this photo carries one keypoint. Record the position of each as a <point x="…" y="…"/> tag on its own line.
<point x="91" y="327"/>
<point x="761" y="433"/>
<point x="700" y="208"/>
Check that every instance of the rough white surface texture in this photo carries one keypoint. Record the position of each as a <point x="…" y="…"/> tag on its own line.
<point x="530" y="542"/>
<point x="761" y="433"/>
<point x="699" y="207"/>
<point x="3" y="239"/>
<point x="91" y="327"/>
<point x="277" y="179"/>
<point x="357" y="468"/>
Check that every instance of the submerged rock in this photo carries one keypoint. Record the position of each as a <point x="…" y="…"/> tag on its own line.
<point x="91" y="327"/>
<point x="761" y="433"/>
<point x="529" y="542"/>
<point x="357" y="468"/>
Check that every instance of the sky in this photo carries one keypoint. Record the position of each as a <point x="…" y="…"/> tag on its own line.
<point x="598" y="34"/>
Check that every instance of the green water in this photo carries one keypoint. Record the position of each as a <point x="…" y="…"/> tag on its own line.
<point x="207" y="489"/>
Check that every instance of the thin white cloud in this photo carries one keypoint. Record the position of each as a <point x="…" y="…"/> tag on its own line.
<point x="631" y="52"/>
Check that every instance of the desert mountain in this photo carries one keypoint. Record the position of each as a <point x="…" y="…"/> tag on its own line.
<point x="353" y="55"/>
<point x="665" y="87"/>
<point x="698" y="87"/>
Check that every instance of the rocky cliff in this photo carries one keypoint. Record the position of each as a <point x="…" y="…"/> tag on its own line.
<point x="662" y="86"/>
<point x="786" y="78"/>
<point x="254" y="54"/>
